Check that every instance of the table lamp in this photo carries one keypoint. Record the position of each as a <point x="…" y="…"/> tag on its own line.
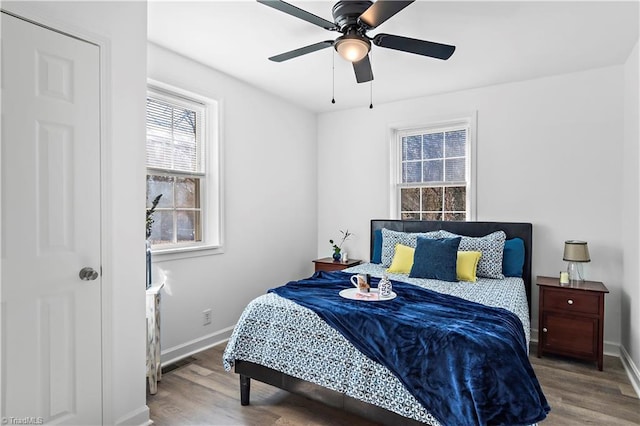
<point x="576" y="253"/>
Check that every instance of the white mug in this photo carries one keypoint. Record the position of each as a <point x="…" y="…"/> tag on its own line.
<point x="360" y="282"/>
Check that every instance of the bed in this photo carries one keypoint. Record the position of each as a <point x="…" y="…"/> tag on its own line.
<point x="290" y="345"/>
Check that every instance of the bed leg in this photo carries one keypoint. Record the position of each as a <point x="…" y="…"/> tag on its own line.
<point x="245" y="389"/>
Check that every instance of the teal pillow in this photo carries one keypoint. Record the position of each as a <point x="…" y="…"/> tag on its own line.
<point x="436" y="259"/>
<point x="513" y="257"/>
<point x="377" y="246"/>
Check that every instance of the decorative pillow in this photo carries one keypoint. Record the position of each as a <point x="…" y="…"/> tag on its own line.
<point x="513" y="258"/>
<point x="376" y="257"/>
<point x="391" y="238"/>
<point x="402" y="260"/>
<point x="467" y="265"/>
<point x="436" y="259"/>
<point x="491" y="246"/>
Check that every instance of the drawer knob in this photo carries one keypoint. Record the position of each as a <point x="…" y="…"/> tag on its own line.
<point x="570" y="302"/>
<point x="544" y="329"/>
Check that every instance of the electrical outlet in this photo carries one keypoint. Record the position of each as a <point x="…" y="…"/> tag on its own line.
<point x="206" y="317"/>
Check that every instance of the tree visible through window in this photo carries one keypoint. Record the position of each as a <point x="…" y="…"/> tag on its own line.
<point x="175" y="168"/>
<point x="434" y="173"/>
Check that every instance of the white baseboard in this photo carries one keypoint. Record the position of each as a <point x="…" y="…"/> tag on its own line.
<point x="176" y="353"/>
<point x="631" y="368"/>
<point x="138" y="417"/>
<point x="533" y="334"/>
<point x="612" y="349"/>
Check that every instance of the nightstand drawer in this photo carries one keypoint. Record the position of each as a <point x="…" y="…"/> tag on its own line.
<point x="571" y="301"/>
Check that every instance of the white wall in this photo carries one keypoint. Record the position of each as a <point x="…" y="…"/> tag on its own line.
<point x="270" y="206"/>
<point x="631" y="220"/>
<point x="122" y="28"/>
<point x="549" y="152"/>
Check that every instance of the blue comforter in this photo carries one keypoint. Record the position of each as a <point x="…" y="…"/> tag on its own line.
<point x="465" y="362"/>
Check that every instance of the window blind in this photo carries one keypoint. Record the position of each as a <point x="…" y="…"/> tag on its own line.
<point x="173" y="137"/>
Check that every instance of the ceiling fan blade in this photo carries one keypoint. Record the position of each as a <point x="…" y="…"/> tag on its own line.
<point x="299" y="13"/>
<point x="301" y="51"/>
<point x="382" y="10"/>
<point x="412" y="45"/>
<point x="363" y="70"/>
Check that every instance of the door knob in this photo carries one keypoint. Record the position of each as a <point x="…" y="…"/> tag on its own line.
<point x="88" y="274"/>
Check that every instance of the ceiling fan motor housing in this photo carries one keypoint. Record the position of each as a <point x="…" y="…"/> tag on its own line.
<point x="346" y="13"/>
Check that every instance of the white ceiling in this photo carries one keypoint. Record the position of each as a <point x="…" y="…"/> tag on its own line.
<point x="496" y="42"/>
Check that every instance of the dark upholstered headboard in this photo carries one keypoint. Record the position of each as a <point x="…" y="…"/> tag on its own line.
<point x="471" y="229"/>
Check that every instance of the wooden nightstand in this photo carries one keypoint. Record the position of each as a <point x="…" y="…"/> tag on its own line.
<point x="328" y="264"/>
<point x="571" y="319"/>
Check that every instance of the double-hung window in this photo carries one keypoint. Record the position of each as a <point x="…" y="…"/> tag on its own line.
<point x="433" y="179"/>
<point x="181" y="169"/>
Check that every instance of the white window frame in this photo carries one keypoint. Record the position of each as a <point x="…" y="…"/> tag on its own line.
<point x="395" y="133"/>
<point x="211" y="184"/>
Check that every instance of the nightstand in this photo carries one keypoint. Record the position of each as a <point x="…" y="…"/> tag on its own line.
<point x="571" y="319"/>
<point x="328" y="264"/>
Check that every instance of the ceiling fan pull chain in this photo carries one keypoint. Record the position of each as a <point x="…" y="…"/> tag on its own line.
<point x="352" y="19"/>
<point x="371" y="87"/>
<point x="333" y="77"/>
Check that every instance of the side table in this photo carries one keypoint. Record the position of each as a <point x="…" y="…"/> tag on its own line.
<point x="571" y="319"/>
<point x="154" y="367"/>
<point x="328" y="264"/>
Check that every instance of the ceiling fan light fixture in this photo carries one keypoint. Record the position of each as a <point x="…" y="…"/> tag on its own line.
<point x="352" y="47"/>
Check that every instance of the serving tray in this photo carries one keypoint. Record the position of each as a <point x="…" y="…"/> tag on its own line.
<point x="372" y="296"/>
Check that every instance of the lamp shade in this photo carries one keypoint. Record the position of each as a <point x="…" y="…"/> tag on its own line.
<point x="576" y="251"/>
<point x="352" y="47"/>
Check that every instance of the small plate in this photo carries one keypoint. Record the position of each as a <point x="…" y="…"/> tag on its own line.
<point x="372" y="296"/>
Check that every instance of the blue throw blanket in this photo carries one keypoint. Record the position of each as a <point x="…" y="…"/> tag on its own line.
<point x="465" y="362"/>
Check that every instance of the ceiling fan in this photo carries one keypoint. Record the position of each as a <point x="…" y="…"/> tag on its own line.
<point x="353" y="19"/>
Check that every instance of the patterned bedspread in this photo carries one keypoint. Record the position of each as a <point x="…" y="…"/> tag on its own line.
<point x="280" y="334"/>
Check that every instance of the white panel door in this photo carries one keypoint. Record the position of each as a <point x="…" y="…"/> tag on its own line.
<point x="51" y="318"/>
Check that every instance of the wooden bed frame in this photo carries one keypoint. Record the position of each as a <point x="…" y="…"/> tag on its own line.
<point x="249" y="370"/>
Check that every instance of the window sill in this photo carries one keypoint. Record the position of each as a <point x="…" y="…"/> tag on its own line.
<point x="162" y="255"/>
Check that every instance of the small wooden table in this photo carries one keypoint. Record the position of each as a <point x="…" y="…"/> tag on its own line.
<point x="571" y="319"/>
<point x="154" y="366"/>
<point x="328" y="264"/>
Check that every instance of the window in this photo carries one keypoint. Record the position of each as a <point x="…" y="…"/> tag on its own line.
<point x="433" y="166"/>
<point x="182" y="168"/>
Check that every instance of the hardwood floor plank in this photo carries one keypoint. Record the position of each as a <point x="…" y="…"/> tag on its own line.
<point x="628" y="390"/>
<point x="200" y="392"/>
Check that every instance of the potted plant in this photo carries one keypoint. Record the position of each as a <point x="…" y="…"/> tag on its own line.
<point x="337" y="248"/>
<point x="150" y="211"/>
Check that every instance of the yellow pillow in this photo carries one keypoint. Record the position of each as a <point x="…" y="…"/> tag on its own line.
<point x="467" y="264"/>
<point x="402" y="260"/>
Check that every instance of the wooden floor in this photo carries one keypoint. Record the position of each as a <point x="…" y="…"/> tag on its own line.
<point x="199" y="392"/>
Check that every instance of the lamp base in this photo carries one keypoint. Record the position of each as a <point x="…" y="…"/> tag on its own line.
<point x="575" y="272"/>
